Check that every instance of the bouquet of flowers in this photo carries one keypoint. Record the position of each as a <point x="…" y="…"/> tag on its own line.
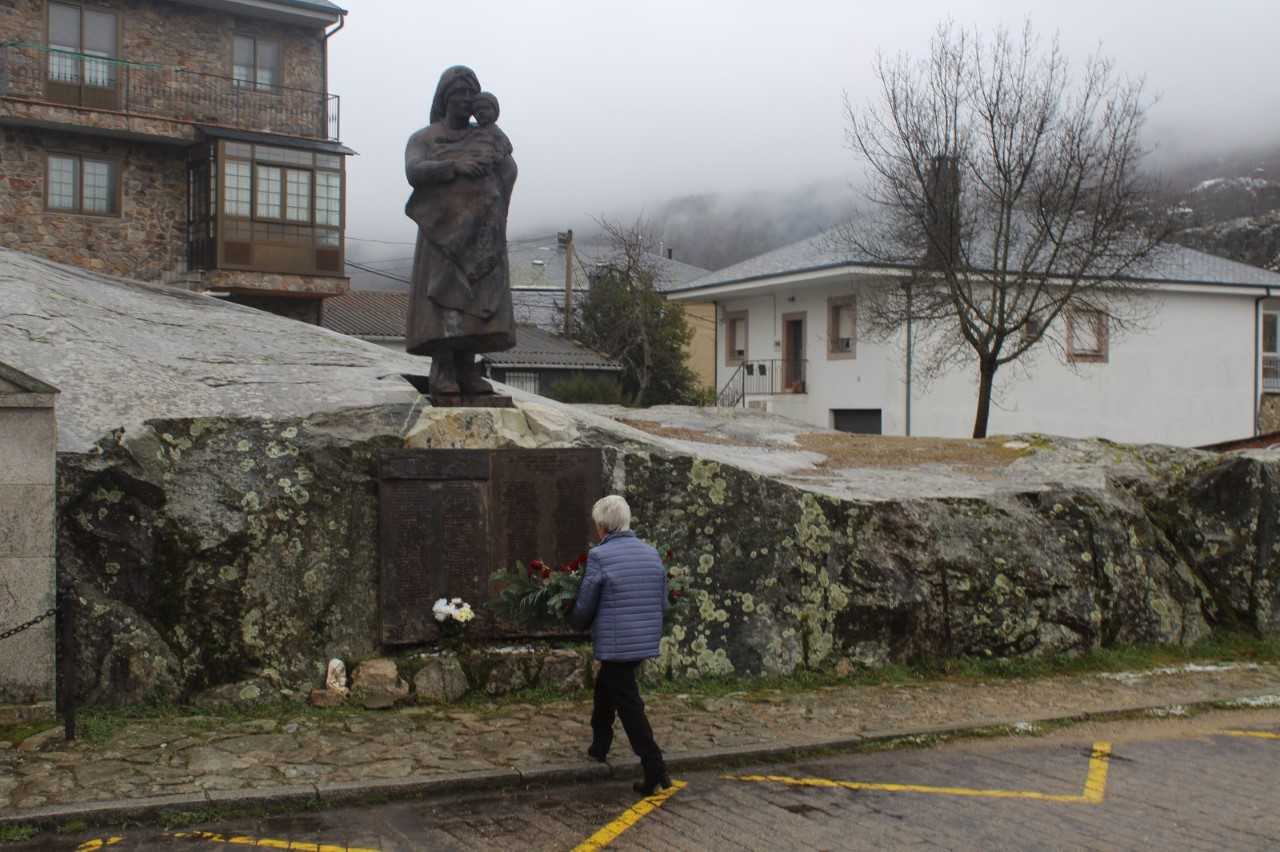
<point x="544" y="594"/>
<point x="540" y="593"/>
<point x="452" y="615"/>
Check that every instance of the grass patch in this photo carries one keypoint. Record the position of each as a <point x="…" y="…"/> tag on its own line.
<point x="16" y="833"/>
<point x="14" y="734"/>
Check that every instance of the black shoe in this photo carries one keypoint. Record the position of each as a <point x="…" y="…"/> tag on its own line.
<point x="649" y="787"/>
<point x="596" y="754"/>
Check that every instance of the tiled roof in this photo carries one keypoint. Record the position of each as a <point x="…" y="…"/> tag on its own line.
<point x="536" y="264"/>
<point x="1172" y="264"/>
<point x="367" y="313"/>
<point x="540" y="349"/>
<point x="310" y="5"/>
<point x="384" y="314"/>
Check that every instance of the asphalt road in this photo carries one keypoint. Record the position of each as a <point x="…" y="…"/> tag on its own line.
<point x="1169" y="784"/>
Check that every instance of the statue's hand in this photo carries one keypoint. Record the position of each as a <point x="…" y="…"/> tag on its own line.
<point x="472" y="168"/>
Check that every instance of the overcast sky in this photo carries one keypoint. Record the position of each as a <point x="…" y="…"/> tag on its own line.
<point x="616" y="106"/>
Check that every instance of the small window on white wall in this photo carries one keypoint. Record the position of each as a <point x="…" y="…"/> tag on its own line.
<point x="842" y="328"/>
<point x="1087" y="336"/>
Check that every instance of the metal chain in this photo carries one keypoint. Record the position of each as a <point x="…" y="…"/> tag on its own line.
<point x="14" y="631"/>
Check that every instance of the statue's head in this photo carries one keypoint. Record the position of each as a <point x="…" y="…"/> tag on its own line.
<point x="484" y="107"/>
<point x="455" y="92"/>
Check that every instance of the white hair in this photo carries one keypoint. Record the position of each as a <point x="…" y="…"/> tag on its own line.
<point x="612" y="513"/>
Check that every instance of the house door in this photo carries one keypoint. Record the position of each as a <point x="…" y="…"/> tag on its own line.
<point x="793" y="360"/>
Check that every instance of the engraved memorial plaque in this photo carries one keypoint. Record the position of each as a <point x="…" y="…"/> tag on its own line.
<point x="450" y="519"/>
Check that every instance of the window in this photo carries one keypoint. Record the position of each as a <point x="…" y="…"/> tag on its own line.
<point x="256" y="63"/>
<point x="735" y="338"/>
<point x="842" y="328"/>
<point x="297" y="196"/>
<point x="1087" y="336"/>
<point x="526" y="381"/>
<point x="1269" y="335"/>
<point x="82" y="185"/>
<point x="270" y="191"/>
<point x="329" y="199"/>
<point x="92" y="35"/>
<point x="1032" y="329"/>
<point x="239" y="175"/>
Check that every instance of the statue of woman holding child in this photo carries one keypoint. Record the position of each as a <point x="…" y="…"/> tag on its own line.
<point x="462" y="175"/>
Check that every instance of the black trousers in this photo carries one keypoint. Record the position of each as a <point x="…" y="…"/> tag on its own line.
<point x="618" y="695"/>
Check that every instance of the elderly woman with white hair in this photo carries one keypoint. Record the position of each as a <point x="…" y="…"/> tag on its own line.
<point x="623" y="598"/>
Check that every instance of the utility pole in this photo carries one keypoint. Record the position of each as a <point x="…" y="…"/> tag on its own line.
<point x="566" y="239"/>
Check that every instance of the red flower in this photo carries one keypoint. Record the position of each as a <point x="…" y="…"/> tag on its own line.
<point x="675" y="596"/>
<point x="582" y="560"/>
<point x="670" y="554"/>
<point x="546" y="573"/>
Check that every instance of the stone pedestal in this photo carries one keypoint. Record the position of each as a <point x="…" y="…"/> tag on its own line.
<point x="527" y="426"/>
<point x="28" y="447"/>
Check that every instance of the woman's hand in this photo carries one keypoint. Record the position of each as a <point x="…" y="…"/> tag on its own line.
<point x="472" y="168"/>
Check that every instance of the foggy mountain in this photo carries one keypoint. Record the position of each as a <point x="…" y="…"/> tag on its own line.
<point x="1231" y="205"/>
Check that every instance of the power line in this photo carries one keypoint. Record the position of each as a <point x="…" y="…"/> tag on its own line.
<point x="372" y="271"/>
<point x="381" y="242"/>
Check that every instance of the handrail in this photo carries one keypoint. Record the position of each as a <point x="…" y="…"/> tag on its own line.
<point x="732" y="394"/>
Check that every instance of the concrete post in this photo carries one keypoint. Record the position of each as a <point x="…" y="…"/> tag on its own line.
<point x="28" y="448"/>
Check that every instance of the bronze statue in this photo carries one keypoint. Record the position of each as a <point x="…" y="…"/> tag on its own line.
<point x="462" y="175"/>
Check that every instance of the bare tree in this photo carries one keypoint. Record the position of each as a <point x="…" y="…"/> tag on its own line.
<point x="1010" y="187"/>
<point x="624" y="315"/>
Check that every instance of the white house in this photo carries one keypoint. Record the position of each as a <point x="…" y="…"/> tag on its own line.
<point x="788" y="340"/>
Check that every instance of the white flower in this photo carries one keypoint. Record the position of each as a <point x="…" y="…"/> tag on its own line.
<point x="464" y="614"/>
<point x="456" y="602"/>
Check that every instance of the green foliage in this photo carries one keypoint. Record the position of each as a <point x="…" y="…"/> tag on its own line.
<point x="624" y="316"/>
<point x="541" y="594"/>
<point x="16" y="833"/>
<point x="584" y="389"/>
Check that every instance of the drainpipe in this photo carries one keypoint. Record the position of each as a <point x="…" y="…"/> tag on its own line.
<point x="1257" y="361"/>
<point x="909" y="360"/>
<point x="324" y="66"/>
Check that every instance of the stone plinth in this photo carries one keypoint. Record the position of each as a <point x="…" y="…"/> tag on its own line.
<point x="527" y="426"/>
<point x="28" y="444"/>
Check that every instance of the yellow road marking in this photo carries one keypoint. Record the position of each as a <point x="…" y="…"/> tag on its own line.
<point x="98" y="843"/>
<point x="264" y="842"/>
<point x="628" y="818"/>
<point x="1095" y="784"/>
<point x="1264" y="735"/>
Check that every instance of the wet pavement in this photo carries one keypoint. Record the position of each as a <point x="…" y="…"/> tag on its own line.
<point x="1201" y="783"/>
<point x="312" y="754"/>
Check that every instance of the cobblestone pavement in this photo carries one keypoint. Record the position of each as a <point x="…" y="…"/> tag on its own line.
<point x="1203" y="783"/>
<point x="308" y="750"/>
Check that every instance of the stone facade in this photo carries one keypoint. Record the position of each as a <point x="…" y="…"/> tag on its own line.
<point x="184" y="79"/>
<point x="1269" y="413"/>
<point x="146" y="240"/>
<point x="28" y="441"/>
<point x="158" y="33"/>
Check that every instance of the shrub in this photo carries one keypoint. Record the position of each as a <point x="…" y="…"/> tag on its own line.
<point x="581" y="388"/>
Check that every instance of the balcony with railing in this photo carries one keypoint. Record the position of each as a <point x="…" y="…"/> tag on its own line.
<point x="80" y="80"/>
<point x="763" y="378"/>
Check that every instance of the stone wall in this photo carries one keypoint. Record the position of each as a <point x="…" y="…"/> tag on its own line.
<point x="156" y="32"/>
<point x="1269" y="413"/>
<point x="215" y="551"/>
<point x="28" y="440"/>
<point x="147" y="239"/>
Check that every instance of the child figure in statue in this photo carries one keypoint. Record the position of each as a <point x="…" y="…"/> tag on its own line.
<point x="485" y="109"/>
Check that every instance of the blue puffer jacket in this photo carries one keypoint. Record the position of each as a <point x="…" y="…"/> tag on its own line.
<point x="623" y="597"/>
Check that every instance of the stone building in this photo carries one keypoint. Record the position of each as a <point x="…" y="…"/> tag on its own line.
<point x="178" y="141"/>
